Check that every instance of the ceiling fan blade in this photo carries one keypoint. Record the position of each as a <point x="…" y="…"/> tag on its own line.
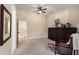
<point x="45" y="9"/>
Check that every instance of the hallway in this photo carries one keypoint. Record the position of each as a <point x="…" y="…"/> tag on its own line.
<point x="33" y="47"/>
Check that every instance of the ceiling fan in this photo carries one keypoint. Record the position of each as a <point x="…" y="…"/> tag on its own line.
<point x="41" y="10"/>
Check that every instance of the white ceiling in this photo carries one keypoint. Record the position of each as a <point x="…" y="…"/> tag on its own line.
<point x="50" y="7"/>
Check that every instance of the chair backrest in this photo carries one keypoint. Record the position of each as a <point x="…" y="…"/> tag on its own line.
<point x="75" y="41"/>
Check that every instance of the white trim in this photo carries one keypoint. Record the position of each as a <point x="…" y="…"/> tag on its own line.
<point x="37" y="37"/>
<point x="14" y="29"/>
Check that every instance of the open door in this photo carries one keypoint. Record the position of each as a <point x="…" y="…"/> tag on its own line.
<point x="22" y="29"/>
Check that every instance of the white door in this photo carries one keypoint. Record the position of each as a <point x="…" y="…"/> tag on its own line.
<point x="22" y="29"/>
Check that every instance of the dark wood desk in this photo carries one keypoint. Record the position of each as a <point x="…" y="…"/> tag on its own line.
<point x="60" y="34"/>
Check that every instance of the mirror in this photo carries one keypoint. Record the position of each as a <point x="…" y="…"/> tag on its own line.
<point x="5" y="24"/>
<point x="6" y="27"/>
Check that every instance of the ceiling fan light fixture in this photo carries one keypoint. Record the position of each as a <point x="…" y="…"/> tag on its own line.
<point x="39" y="12"/>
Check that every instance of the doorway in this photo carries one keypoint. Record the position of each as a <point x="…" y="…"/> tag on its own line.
<point x="22" y="29"/>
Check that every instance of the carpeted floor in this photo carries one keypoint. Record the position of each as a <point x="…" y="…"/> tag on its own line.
<point x="33" y="47"/>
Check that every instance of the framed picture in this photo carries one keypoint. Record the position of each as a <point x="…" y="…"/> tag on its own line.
<point x="5" y="24"/>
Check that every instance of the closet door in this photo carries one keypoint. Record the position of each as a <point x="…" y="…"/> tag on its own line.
<point x="52" y="34"/>
<point x="60" y="34"/>
<point x="66" y="33"/>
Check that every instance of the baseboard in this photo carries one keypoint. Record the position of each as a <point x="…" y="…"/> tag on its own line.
<point x="37" y="37"/>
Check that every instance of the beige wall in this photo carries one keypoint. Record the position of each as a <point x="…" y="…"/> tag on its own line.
<point x="36" y="23"/>
<point x="50" y="20"/>
<point x="74" y="17"/>
<point x="6" y="48"/>
<point x="66" y="15"/>
<point x="62" y="14"/>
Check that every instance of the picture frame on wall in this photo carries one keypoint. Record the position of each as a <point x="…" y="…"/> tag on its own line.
<point x="5" y="24"/>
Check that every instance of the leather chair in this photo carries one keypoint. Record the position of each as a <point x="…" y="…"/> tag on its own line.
<point x="63" y="49"/>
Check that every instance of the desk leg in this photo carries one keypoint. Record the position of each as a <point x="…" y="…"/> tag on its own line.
<point x="55" y="48"/>
<point x="77" y="52"/>
<point x="74" y="52"/>
<point x="55" y="51"/>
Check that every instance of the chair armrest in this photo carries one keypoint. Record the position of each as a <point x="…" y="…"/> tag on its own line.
<point x="63" y="45"/>
<point x="67" y="46"/>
